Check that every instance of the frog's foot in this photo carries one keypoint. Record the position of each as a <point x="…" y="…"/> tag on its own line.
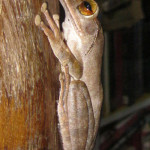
<point x="48" y="32"/>
<point x="53" y="22"/>
<point x="53" y="32"/>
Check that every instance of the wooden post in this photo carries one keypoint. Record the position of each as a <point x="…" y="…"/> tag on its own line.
<point x="29" y="83"/>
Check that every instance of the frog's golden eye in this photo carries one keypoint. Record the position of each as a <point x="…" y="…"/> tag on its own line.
<point x="88" y="7"/>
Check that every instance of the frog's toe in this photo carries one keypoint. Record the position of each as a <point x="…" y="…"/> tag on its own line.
<point x="44" y="7"/>
<point x="37" y="20"/>
<point x="56" y="19"/>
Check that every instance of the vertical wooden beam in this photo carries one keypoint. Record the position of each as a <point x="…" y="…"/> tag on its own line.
<point x="28" y="79"/>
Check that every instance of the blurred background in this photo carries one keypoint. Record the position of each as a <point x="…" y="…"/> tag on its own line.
<point x="125" y="118"/>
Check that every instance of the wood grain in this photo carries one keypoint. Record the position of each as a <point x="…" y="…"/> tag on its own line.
<point x="29" y="84"/>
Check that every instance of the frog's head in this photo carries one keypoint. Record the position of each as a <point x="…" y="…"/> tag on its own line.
<point x="82" y="14"/>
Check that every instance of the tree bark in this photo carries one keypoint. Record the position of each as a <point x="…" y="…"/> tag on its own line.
<point x="29" y="84"/>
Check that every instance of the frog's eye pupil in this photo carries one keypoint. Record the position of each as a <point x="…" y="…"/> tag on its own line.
<point x="88" y="6"/>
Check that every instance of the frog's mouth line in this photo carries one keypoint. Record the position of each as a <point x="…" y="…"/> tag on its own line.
<point x="92" y="44"/>
<point x="68" y="7"/>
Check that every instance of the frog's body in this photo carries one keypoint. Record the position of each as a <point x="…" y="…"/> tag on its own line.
<point x="81" y="91"/>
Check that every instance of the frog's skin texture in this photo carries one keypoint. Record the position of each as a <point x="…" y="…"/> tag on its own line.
<point x="79" y="51"/>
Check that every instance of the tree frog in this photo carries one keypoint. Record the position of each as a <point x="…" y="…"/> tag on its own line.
<point x="79" y="49"/>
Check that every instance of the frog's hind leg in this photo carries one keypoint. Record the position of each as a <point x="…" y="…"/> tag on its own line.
<point x="63" y="117"/>
<point x="75" y="114"/>
<point x="80" y="115"/>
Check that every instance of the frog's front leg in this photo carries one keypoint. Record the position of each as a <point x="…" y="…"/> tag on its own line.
<point x="75" y="114"/>
<point x="57" y="43"/>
